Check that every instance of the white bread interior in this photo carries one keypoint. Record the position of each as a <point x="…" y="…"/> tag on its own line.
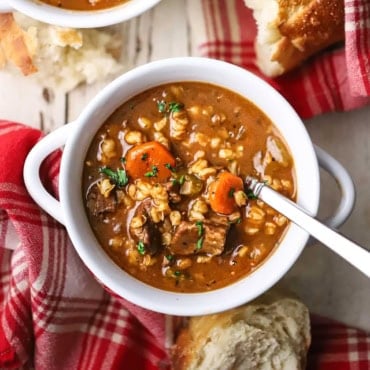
<point x="290" y="31"/>
<point x="271" y="333"/>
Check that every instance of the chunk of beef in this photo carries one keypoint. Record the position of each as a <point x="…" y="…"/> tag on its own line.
<point x="98" y="204"/>
<point x="186" y="238"/>
<point x="173" y="190"/>
<point x="148" y="233"/>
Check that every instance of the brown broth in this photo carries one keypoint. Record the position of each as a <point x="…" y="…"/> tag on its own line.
<point x="84" y="4"/>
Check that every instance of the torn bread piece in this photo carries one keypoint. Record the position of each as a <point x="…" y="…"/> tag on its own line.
<point x="270" y="333"/>
<point x="16" y="45"/>
<point x="290" y="31"/>
<point x="57" y="57"/>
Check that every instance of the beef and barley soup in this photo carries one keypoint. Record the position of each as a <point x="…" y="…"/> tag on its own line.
<point x="163" y="186"/>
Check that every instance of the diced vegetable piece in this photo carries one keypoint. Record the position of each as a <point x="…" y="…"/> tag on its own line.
<point x="190" y="185"/>
<point x="221" y="193"/>
<point x="149" y="160"/>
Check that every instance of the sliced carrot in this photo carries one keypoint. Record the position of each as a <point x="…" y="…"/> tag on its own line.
<point x="150" y="160"/>
<point x="221" y="193"/>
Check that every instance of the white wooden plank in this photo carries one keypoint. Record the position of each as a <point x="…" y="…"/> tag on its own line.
<point x="169" y="30"/>
<point x="23" y="100"/>
<point x="197" y="34"/>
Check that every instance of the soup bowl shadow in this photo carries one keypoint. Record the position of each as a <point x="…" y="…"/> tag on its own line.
<point x="77" y="136"/>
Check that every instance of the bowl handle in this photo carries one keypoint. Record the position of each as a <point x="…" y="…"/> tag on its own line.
<point x="345" y="183"/>
<point x="5" y="7"/>
<point x="31" y="170"/>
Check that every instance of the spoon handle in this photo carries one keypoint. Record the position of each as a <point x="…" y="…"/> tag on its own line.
<point x="347" y="249"/>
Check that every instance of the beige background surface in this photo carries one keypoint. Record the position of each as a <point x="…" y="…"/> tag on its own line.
<point x="328" y="285"/>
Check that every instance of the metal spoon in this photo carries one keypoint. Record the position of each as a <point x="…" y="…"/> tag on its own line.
<point x="353" y="253"/>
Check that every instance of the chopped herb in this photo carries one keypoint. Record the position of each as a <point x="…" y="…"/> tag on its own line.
<point x="236" y="222"/>
<point x="144" y="156"/>
<point x="118" y="177"/>
<point x="182" y="179"/>
<point x="172" y="169"/>
<point x="161" y="106"/>
<point x="251" y="195"/>
<point x="179" y="180"/>
<point x="171" y="107"/>
<point x="177" y="273"/>
<point x="175" y="107"/>
<point x="231" y="193"/>
<point x="141" y="247"/>
<point x="199" y="225"/>
<point x="200" y="243"/>
<point x="152" y="173"/>
<point x="123" y="159"/>
<point x="169" y="257"/>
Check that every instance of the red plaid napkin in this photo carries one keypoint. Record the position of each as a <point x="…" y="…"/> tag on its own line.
<point x="336" y="80"/>
<point x="54" y="315"/>
<point x="335" y="346"/>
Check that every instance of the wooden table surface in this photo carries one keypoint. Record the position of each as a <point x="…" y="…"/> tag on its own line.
<point x="328" y="285"/>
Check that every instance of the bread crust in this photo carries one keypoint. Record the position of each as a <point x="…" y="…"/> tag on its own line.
<point x="13" y="41"/>
<point x="314" y="26"/>
<point x="304" y="27"/>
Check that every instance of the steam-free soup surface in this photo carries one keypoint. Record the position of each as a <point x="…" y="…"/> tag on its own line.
<point x="84" y="4"/>
<point x="163" y="184"/>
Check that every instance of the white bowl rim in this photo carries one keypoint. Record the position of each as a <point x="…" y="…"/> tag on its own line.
<point x="79" y="18"/>
<point x="108" y="273"/>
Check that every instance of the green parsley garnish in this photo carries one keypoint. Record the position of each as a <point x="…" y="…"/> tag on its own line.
<point x="122" y="159"/>
<point x="177" y="273"/>
<point x="144" y="156"/>
<point x="152" y="173"/>
<point x="161" y="106"/>
<point x="199" y="225"/>
<point x="118" y="177"/>
<point x="171" y="107"/>
<point x="182" y="179"/>
<point x="141" y="247"/>
<point x="236" y="222"/>
<point x="251" y="195"/>
<point x="175" y="107"/>
<point x="200" y="243"/>
<point x="172" y="169"/>
<point x="179" y="180"/>
<point x="231" y="193"/>
<point x="169" y="257"/>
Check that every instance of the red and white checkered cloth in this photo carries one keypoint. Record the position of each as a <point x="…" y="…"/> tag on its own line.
<point x="335" y="80"/>
<point x="53" y="314"/>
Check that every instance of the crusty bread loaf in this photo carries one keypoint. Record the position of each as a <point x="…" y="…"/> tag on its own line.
<point x="290" y="31"/>
<point x="58" y="57"/>
<point x="270" y="333"/>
